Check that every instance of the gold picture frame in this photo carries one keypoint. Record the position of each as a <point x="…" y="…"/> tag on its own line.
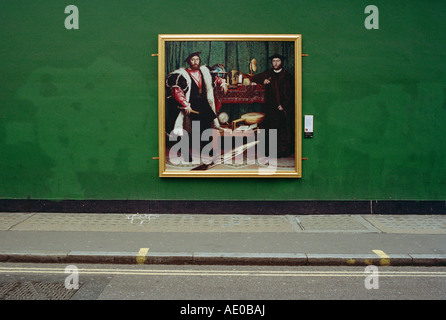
<point x="244" y="113"/>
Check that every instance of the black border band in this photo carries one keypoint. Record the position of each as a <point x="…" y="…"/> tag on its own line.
<point x="225" y="207"/>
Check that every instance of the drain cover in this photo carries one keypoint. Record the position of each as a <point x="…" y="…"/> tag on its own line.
<point x="34" y="291"/>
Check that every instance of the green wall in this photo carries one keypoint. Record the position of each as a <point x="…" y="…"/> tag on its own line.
<point x="78" y="108"/>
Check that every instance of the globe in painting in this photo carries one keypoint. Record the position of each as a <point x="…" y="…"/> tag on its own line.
<point x="219" y="70"/>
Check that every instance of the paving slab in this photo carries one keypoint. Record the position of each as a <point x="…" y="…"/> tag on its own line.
<point x="419" y="224"/>
<point x="223" y="239"/>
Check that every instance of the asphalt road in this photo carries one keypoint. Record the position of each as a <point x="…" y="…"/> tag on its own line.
<point x="236" y="283"/>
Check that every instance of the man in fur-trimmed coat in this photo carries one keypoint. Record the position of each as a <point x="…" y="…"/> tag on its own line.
<point x="192" y="97"/>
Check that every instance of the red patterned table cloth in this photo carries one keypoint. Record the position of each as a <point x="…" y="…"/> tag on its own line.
<point x="242" y="94"/>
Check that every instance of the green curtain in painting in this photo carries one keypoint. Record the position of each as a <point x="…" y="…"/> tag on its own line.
<point x="234" y="55"/>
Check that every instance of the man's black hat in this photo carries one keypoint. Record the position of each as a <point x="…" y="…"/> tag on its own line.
<point x="192" y="55"/>
<point x="276" y="55"/>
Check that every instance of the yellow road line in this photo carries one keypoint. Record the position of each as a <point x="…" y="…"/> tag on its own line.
<point x="385" y="259"/>
<point x="141" y="256"/>
<point x="224" y="273"/>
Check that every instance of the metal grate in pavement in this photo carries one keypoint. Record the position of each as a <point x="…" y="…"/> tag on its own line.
<point x="35" y="291"/>
<point x="409" y="224"/>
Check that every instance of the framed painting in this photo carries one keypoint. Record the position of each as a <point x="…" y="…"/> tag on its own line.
<point x="230" y="105"/>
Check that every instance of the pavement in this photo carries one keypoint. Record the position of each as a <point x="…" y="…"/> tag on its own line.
<point x="216" y="239"/>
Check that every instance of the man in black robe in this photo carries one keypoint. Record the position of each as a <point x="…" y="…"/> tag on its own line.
<point x="279" y="106"/>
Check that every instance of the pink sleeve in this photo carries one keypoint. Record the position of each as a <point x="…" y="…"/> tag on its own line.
<point x="179" y="96"/>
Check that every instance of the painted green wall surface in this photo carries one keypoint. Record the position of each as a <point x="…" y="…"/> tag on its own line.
<point x="79" y="108"/>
